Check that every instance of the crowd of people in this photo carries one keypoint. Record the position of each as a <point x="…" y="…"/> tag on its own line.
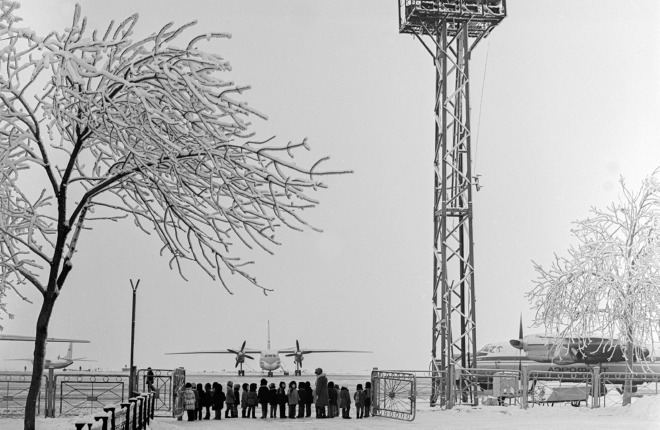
<point x="292" y="401"/>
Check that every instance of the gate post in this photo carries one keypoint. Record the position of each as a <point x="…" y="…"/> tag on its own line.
<point x="51" y="391"/>
<point x="595" y="389"/>
<point x="525" y="387"/>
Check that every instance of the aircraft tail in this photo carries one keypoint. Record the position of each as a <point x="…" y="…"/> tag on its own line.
<point x="69" y="352"/>
<point x="268" y="334"/>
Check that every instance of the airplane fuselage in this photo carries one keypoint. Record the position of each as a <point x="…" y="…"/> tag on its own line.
<point x="269" y="360"/>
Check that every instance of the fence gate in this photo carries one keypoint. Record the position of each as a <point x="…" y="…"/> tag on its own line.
<point x="164" y="383"/>
<point x="14" y="387"/>
<point x="394" y="394"/>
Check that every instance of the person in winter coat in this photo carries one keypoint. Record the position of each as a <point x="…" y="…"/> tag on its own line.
<point x="262" y="394"/>
<point x="367" y="399"/>
<point x="332" y="399"/>
<point x="208" y="400"/>
<point x="229" y="399"/>
<point x="293" y="399"/>
<point x="309" y="399"/>
<point x="199" y="400"/>
<point x="234" y="413"/>
<point x="345" y="403"/>
<point x="359" y="401"/>
<point x="321" y="396"/>
<point x="272" y="400"/>
<point x="244" y="396"/>
<point x="190" y="402"/>
<point x="218" y="400"/>
<point x="282" y="398"/>
<point x="302" y="396"/>
<point x="337" y="391"/>
<point x="252" y="400"/>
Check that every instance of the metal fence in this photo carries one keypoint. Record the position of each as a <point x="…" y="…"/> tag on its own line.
<point x="66" y="393"/>
<point x="397" y="393"/>
<point x="14" y="387"/>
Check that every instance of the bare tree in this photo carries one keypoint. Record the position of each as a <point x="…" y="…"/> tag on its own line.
<point x="610" y="282"/>
<point x="113" y="128"/>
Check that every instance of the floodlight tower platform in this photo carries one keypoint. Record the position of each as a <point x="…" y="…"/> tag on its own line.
<point x="453" y="28"/>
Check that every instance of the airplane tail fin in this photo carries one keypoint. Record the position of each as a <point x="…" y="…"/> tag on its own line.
<point x="268" y="334"/>
<point x="69" y="352"/>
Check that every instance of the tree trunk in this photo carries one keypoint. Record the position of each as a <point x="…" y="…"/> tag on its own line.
<point x="627" y="385"/>
<point x="38" y="361"/>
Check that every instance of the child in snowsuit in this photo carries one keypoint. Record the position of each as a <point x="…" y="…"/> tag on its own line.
<point x="262" y="395"/>
<point x="332" y="399"/>
<point x="189" y="402"/>
<point x="282" y="398"/>
<point x="359" y="401"/>
<point x="244" y="396"/>
<point x="345" y="403"/>
<point x="218" y="400"/>
<point x="252" y="400"/>
<point x="237" y="396"/>
<point x="293" y="399"/>
<point x="272" y="400"/>
<point x="367" y="399"/>
<point x="229" y="399"/>
<point x="302" y="397"/>
<point x="208" y="400"/>
<point x="200" y="401"/>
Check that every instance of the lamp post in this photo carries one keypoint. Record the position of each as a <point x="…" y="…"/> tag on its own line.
<point x="131" y="376"/>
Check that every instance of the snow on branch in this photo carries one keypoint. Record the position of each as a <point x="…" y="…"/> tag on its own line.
<point x="111" y="127"/>
<point x="608" y="283"/>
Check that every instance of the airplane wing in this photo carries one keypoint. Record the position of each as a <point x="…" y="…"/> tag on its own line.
<point x="246" y="350"/>
<point x="15" y="337"/>
<point x="310" y="351"/>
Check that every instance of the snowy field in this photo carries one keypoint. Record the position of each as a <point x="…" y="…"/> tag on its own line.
<point x="644" y="414"/>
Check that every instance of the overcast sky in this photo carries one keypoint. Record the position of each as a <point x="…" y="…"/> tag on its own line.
<point x="571" y="102"/>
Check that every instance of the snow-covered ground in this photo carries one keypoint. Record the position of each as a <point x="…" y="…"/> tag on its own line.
<point x="644" y="414"/>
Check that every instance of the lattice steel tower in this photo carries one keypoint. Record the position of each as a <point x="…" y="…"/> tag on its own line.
<point x="454" y="28"/>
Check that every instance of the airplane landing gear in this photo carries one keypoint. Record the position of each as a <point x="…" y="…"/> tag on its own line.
<point x="270" y="374"/>
<point x="297" y="372"/>
<point x="241" y="372"/>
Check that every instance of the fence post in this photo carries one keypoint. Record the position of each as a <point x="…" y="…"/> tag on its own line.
<point x="51" y="390"/>
<point x="111" y="409"/>
<point x="525" y="387"/>
<point x="127" y="422"/>
<point x="103" y="418"/>
<point x="596" y="388"/>
<point x="153" y="405"/>
<point x="133" y="402"/>
<point x="140" y="413"/>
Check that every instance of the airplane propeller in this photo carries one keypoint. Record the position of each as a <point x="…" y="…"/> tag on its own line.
<point x="298" y="354"/>
<point x="240" y="355"/>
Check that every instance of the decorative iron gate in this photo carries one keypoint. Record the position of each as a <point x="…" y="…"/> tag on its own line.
<point x="164" y="385"/>
<point x="394" y="394"/>
<point x="14" y="389"/>
<point x="88" y="393"/>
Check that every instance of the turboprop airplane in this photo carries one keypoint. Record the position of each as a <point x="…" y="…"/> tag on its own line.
<point x="269" y="359"/>
<point x="59" y="363"/>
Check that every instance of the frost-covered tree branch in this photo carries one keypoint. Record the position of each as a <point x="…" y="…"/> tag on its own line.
<point x="609" y="283"/>
<point x="110" y="127"/>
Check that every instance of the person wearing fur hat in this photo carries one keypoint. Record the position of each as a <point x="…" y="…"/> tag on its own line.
<point x="293" y="398"/>
<point x="321" y="393"/>
<point x="229" y="399"/>
<point x="345" y="402"/>
<point x="302" y="396"/>
<point x="262" y="394"/>
<point x="190" y="402"/>
<point x="272" y="399"/>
